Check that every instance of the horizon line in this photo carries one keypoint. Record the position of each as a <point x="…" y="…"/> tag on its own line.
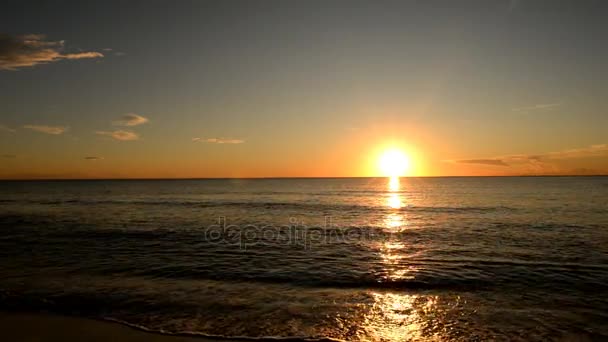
<point x="294" y="177"/>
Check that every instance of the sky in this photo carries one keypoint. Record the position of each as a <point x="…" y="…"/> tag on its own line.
<point x="172" y="89"/>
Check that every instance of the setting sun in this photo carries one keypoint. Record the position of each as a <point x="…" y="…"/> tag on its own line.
<point x="394" y="163"/>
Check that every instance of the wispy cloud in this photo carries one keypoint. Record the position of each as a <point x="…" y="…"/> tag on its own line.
<point x="93" y="158"/>
<point x="55" y="130"/>
<point x="7" y="129"/>
<point x="598" y="150"/>
<point x="33" y="49"/>
<point x="536" y="107"/>
<point x="591" y="151"/>
<point x="540" y="160"/>
<point x="130" y="119"/>
<point x="495" y="162"/>
<point x="120" y="135"/>
<point x="219" y="140"/>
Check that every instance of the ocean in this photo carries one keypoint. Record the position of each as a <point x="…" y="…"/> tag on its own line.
<point x="349" y="259"/>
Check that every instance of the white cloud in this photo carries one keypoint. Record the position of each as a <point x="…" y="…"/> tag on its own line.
<point x="219" y="140"/>
<point x="55" y="130"/>
<point x="32" y="49"/>
<point x="130" y="119"/>
<point x="120" y="135"/>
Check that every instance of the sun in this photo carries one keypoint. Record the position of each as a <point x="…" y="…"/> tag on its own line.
<point x="394" y="163"/>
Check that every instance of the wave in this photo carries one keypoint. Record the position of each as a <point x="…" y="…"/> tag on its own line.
<point x="451" y="277"/>
<point x="221" y="337"/>
<point x="122" y="303"/>
<point x="268" y="205"/>
<point x="96" y="307"/>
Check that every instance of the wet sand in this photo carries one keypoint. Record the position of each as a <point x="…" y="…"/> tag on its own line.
<point x="42" y="327"/>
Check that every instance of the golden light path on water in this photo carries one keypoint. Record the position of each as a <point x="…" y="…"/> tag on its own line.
<point x="394" y="221"/>
<point x="396" y="316"/>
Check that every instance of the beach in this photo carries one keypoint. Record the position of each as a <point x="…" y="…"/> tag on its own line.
<point x="27" y="327"/>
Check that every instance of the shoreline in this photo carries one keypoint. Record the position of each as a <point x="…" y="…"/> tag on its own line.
<point x="43" y="327"/>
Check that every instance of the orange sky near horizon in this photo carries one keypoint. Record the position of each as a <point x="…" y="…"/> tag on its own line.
<point x="356" y="153"/>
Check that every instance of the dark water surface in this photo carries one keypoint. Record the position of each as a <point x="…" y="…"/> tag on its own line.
<point x="522" y="258"/>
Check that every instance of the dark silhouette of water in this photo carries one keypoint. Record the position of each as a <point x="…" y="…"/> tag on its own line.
<point x="349" y="259"/>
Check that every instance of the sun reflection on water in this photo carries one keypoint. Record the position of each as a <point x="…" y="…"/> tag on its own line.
<point x="393" y="183"/>
<point x="382" y="316"/>
<point x="397" y="317"/>
<point x="392" y="250"/>
<point x="400" y="315"/>
<point x="394" y="220"/>
<point x="394" y="201"/>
